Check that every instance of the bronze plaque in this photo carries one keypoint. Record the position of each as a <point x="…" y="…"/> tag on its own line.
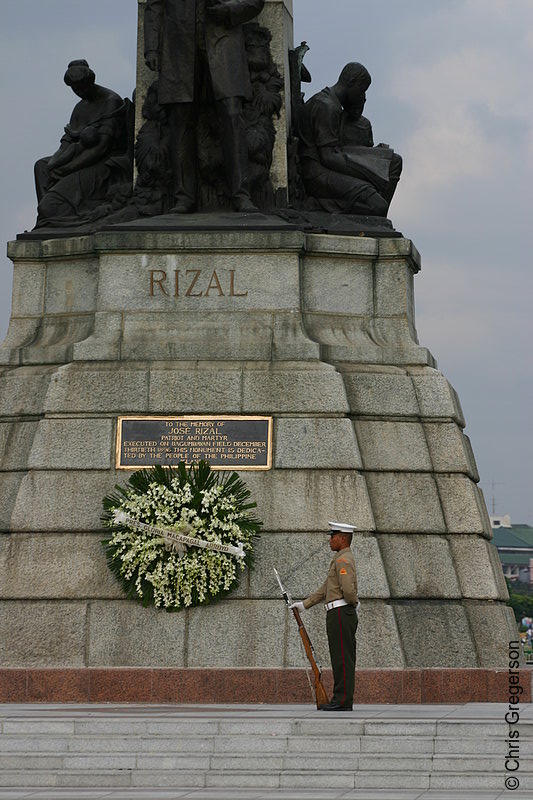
<point x="225" y="442"/>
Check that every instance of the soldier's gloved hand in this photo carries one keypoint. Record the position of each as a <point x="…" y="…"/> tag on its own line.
<point x="298" y="606"/>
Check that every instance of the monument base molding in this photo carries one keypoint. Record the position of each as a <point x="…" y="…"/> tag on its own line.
<point x="284" y="686"/>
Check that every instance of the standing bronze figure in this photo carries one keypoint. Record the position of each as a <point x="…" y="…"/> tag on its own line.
<point x="194" y="43"/>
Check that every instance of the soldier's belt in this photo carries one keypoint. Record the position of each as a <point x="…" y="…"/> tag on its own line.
<point x="335" y="604"/>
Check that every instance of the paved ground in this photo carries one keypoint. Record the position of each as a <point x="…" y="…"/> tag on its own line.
<point x="494" y="712"/>
<point x="479" y="711"/>
<point x="257" y="794"/>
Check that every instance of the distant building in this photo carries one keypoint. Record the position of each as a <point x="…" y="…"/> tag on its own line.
<point x="514" y="544"/>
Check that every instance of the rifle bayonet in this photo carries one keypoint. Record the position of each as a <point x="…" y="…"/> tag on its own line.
<point x="286" y="596"/>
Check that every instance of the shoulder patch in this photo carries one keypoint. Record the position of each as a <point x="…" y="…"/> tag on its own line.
<point x="344" y="560"/>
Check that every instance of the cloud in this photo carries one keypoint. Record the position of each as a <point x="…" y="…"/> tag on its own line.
<point x="24" y="216"/>
<point x="469" y="311"/>
<point x="467" y="101"/>
<point x="453" y="101"/>
<point x="37" y="40"/>
<point x="500" y="9"/>
<point x="100" y="46"/>
<point x="455" y="319"/>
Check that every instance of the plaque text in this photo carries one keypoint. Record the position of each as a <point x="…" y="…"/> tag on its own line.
<point x="225" y="442"/>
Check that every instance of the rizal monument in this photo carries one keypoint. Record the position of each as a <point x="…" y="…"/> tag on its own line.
<point x="214" y="275"/>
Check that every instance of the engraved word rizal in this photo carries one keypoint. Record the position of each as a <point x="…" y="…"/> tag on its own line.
<point x="193" y="283"/>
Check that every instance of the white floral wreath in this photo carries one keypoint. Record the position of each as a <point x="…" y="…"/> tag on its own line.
<point x="180" y="537"/>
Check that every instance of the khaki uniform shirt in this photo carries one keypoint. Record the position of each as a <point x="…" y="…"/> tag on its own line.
<point x="341" y="583"/>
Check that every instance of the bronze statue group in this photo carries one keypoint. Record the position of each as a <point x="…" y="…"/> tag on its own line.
<point x="208" y="111"/>
<point x="209" y="120"/>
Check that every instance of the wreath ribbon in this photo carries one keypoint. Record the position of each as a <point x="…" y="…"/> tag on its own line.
<point x="172" y="538"/>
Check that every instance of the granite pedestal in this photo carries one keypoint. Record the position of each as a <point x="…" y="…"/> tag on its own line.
<point x="314" y="330"/>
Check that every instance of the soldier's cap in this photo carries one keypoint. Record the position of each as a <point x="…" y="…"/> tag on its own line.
<point x="340" y="527"/>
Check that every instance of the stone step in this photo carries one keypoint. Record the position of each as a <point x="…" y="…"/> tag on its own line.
<point x="378" y="761"/>
<point x="204" y="763"/>
<point x="234" y="779"/>
<point x="303" y="746"/>
<point x="228" y="750"/>
<point x="334" y="726"/>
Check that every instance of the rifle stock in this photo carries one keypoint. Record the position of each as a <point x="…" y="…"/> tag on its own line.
<point x="320" y="692"/>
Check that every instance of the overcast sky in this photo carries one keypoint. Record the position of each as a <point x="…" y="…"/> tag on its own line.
<point x="451" y="92"/>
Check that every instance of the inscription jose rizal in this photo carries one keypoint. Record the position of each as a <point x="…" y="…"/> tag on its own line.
<point x="243" y="443"/>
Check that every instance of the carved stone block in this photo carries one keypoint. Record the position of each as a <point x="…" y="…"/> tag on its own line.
<point x="126" y="633"/>
<point x="43" y="634"/>
<point x="405" y="502"/>
<point x="234" y="631"/>
<point x="436" y="635"/>
<point x="463" y="506"/>
<point x="73" y="444"/>
<point x="61" y="500"/>
<point x="303" y="500"/>
<point x="419" y="566"/>
<point x="56" y="566"/>
<point x="388" y="446"/>
<point x="94" y="387"/>
<point x="381" y="393"/>
<point x="318" y="443"/>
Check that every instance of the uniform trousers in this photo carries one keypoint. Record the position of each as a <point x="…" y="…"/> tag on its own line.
<point x="341" y="626"/>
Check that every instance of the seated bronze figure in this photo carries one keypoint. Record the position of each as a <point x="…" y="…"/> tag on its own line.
<point x="74" y="185"/>
<point x="341" y="169"/>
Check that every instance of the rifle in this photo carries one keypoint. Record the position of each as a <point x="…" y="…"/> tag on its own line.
<point x="320" y="693"/>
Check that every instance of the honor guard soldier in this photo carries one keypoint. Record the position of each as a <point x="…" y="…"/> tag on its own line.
<point x="339" y="593"/>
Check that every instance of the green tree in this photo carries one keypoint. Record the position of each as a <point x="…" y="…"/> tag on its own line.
<point x="522" y="604"/>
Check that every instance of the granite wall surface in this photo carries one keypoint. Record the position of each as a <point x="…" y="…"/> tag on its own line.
<point x="317" y="331"/>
